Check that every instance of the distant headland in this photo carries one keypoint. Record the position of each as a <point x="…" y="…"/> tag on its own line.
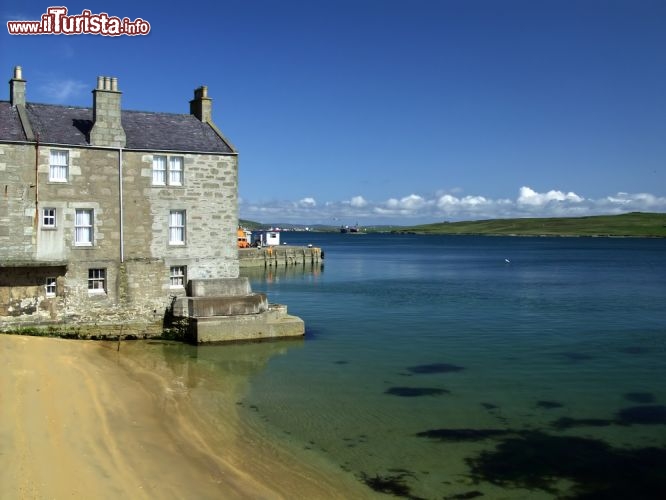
<point x="634" y="224"/>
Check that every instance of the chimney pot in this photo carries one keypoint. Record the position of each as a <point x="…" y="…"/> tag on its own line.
<point x="17" y="87"/>
<point x="201" y="105"/>
<point x="107" y="129"/>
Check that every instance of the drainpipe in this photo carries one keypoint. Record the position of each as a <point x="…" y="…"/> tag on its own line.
<point x="120" y="201"/>
<point x="36" y="222"/>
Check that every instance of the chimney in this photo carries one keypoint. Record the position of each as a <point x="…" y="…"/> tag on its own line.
<point x="202" y="105"/>
<point x="107" y="129"/>
<point x="17" y="87"/>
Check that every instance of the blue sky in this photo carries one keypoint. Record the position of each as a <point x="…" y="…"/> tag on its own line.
<point x="382" y="111"/>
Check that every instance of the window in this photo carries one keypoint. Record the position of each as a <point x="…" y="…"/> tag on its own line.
<point x="50" y="287"/>
<point x="96" y="280"/>
<point x="58" y="167"/>
<point x="176" y="171"/>
<point x="49" y="218"/>
<point x="173" y="176"/>
<point x="83" y="227"/>
<point x="159" y="170"/>
<point x="177" y="276"/>
<point x="177" y="227"/>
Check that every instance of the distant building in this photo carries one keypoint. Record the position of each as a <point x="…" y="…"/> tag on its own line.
<point x="266" y="237"/>
<point x="105" y="214"/>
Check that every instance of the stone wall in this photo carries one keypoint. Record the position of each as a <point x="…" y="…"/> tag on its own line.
<point x="137" y="289"/>
<point x="17" y="201"/>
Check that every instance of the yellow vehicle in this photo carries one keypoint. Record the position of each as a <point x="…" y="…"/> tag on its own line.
<point x="242" y="238"/>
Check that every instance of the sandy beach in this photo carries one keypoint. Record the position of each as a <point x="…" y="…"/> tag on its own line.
<point x="78" y="420"/>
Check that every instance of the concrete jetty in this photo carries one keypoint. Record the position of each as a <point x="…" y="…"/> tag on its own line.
<point x="226" y="309"/>
<point x="283" y="255"/>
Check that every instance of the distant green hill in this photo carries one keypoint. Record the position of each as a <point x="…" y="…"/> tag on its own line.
<point x="631" y="224"/>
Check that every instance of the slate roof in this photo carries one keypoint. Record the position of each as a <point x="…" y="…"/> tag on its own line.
<point x="69" y="125"/>
<point x="10" y="123"/>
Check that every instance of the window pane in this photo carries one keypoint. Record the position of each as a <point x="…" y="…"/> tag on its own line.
<point x="58" y="165"/>
<point x="159" y="170"/>
<point x="176" y="227"/>
<point x="83" y="230"/>
<point x="49" y="217"/>
<point x="177" y="276"/>
<point x="176" y="170"/>
<point x="50" y="287"/>
<point x="96" y="280"/>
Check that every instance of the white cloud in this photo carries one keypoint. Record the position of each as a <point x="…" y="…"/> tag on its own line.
<point x="307" y="202"/>
<point x="63" y="90"/>
<point x="417" y="208"/>
<point x="530" y="197"/>
<point x="358" y="202"/>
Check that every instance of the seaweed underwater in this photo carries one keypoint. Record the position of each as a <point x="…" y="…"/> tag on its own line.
<point x="537" y="460"/>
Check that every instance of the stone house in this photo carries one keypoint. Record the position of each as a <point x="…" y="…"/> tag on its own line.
<point x="106" y="214"/>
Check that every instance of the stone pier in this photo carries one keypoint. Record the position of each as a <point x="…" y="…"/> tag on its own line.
<point x="226" y="309"/>
<point x="284" y="255"/>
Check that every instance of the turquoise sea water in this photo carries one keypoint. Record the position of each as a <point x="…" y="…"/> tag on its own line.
<point x="470" y="367"/>
<point x="432" y="367"/>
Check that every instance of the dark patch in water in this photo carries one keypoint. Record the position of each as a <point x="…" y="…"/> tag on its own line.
<point x="413" y="392"/>
<point x="390" y="484"/>
<point x="549" y="405"/>
<point x="341" y="362"/>
<point x="457" y="435"/>
<point x="640" y="397"/>
<point x="435" y="368"/>
<point x="536" y="460"/>
<point x="568" y="423"/>
<point x="634" y="349"/>
<point x="646" y="415"/>
<point x="464" y="496"/>
<point x="489" y="406"/>
<point x="576" y="356"/>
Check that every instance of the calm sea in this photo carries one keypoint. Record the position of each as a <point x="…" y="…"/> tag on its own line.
<point x="472" y="367"/>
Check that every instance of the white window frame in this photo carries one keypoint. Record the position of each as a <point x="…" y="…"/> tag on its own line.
<point x="177" y="276"/>
<point x="176" y="169"/>
<point x="58" y="165"/>
<point x="177" y="227"/>
<point x="84" y="230"/>
<point x="50" y="287"/>
<point x="96" y="280"/>
<point x="159" y="170"/>
<point x="49" y="218"/>
<point x="168" y="170"/>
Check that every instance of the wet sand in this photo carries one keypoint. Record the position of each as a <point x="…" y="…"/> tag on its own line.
<point x="80" y="420"/>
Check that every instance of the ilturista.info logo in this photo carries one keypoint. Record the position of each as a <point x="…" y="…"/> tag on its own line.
<point x="57" y="21"/>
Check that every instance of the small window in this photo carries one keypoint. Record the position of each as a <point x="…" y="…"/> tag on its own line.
<point x="59" y="166"/>
<point x="96" y="280"/>
<point x="177" y="227"/>
<point x="49" y="218"/>
<point x="177" y="276"/>
<point x="168" y="170"/>
<point x="83" y="227"/>
<point x="50" y="287"/>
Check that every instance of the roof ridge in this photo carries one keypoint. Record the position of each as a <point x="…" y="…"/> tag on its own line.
<point x="90" y="108"/>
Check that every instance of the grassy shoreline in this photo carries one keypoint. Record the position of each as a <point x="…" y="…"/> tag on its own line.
<point x="635" y="225"/>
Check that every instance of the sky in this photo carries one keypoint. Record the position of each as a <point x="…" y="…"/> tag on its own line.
<point x="392" y="112"/>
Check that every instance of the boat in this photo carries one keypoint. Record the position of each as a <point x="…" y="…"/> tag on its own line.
<point x="350" y="229"/>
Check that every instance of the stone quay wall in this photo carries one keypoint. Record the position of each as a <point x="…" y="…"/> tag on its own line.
<point x="284" y="255"/>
